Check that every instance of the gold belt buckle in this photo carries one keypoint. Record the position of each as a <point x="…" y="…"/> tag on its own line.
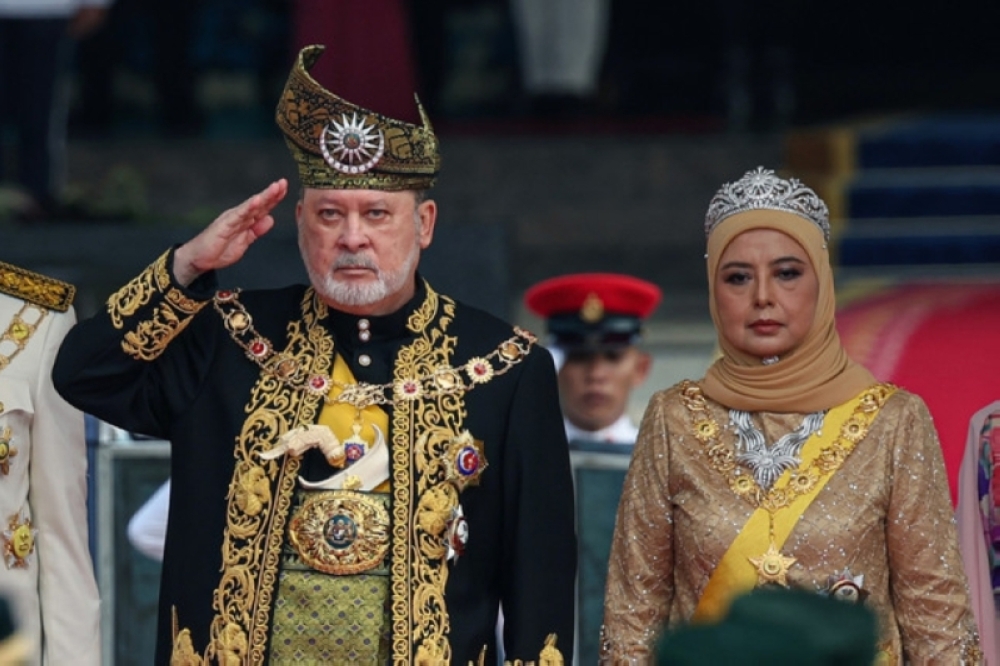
<point x="340" y="532"/>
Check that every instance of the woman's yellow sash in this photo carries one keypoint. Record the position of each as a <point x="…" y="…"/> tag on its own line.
<point x="843" y="427"/>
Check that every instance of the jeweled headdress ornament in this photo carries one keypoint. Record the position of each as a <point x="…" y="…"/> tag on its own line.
<point x="761" y="189"/>
<point x="339" y="145"/>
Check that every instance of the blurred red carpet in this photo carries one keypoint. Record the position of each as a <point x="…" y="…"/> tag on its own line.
<point x="940" y="341"/>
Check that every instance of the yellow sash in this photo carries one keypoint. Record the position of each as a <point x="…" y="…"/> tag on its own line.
<point x="735" y="574"/>
<point x="339" y="416"/>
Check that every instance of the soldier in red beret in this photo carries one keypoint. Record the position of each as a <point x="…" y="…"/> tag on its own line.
<point x="594" y="323"/>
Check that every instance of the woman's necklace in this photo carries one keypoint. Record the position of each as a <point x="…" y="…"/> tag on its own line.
<point x="768" y="463"/>
<point x="772" y="566"/>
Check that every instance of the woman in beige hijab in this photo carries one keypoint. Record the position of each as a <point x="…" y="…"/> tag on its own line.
<point x="787" y="464"/>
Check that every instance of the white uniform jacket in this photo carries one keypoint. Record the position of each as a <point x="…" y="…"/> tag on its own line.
<point x="48" y="577"/>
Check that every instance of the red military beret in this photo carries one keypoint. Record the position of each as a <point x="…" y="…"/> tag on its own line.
<point x="593" y="310"/>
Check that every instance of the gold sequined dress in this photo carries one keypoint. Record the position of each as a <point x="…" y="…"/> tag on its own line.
<point x="884" y="514"/>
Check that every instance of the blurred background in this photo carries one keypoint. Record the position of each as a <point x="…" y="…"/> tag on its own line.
<point x="581" y="139"/>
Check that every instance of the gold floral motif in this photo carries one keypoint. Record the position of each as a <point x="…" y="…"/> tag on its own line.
<point x="253" y="491"/>
<point x="182" y="653"/>
<point x="231" y="645"/>
<point x="855" y="429"/>
<point x="744" y="485"/>
<point x="479" y="370"/>
<point x="187" y="305"/>
<point x="804" y="481"/>
<point x="705" y="429"/>
<point x="151" y="337"/>
<point x="126" y="301"/>
<point x="723" y="457"/>
<point x="36" y="288"/>
<point x="434" y="510"/>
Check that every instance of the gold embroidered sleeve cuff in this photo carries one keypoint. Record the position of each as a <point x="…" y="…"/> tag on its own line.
<point x="153" y="308"/>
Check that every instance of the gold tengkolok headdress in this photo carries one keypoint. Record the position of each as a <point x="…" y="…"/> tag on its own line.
<point x="339" y="145"/>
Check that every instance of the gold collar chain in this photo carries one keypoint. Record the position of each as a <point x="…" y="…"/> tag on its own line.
<point x="19" y="331"/>
<point x="741" y="481"/>
<point x="445" y="380"/>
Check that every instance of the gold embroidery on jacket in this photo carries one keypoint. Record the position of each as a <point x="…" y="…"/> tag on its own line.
<point x="549" y="656"/>
<point x="183" y="652"/>
<point x="169" y="318"/>
<point x="126" y="301"/>
<point x="422" y="496"/>
<point x="257" y="515"/>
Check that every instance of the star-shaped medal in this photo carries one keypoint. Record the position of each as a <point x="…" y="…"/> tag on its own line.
<point x="772" y="567"/>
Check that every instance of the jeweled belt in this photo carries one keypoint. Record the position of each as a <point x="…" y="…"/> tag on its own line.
<point x="339" y="532"/>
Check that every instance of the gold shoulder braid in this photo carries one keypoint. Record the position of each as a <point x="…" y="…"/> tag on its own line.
<point x="36" y="288"/>
<point x="438" y="381"/>
<point x="169" y="318"/>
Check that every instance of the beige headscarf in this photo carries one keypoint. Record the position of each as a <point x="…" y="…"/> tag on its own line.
<point x="816" y="375"/>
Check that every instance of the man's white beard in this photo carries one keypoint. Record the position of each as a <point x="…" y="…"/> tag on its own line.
<point x="353" y="294"/>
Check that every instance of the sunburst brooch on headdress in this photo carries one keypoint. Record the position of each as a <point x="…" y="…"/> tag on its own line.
<point x="351" y="146"/>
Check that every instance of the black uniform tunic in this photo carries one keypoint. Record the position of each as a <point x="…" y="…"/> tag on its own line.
<point x="159" y="362"/>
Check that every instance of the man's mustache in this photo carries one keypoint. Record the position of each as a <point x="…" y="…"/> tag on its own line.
<point x="355" y="261"/>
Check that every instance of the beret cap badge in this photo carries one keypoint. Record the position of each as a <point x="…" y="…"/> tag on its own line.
<point x="592" y="309"/>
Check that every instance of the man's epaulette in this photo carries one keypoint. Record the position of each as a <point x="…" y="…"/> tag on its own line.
<point x="36" y="288"/>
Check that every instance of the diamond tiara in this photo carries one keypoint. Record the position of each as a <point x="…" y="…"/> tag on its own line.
<point x="761" y="189"/>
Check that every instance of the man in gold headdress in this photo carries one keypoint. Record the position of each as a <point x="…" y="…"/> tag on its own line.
<point x="363" y="470"/>
<point x="47" y="574"/>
